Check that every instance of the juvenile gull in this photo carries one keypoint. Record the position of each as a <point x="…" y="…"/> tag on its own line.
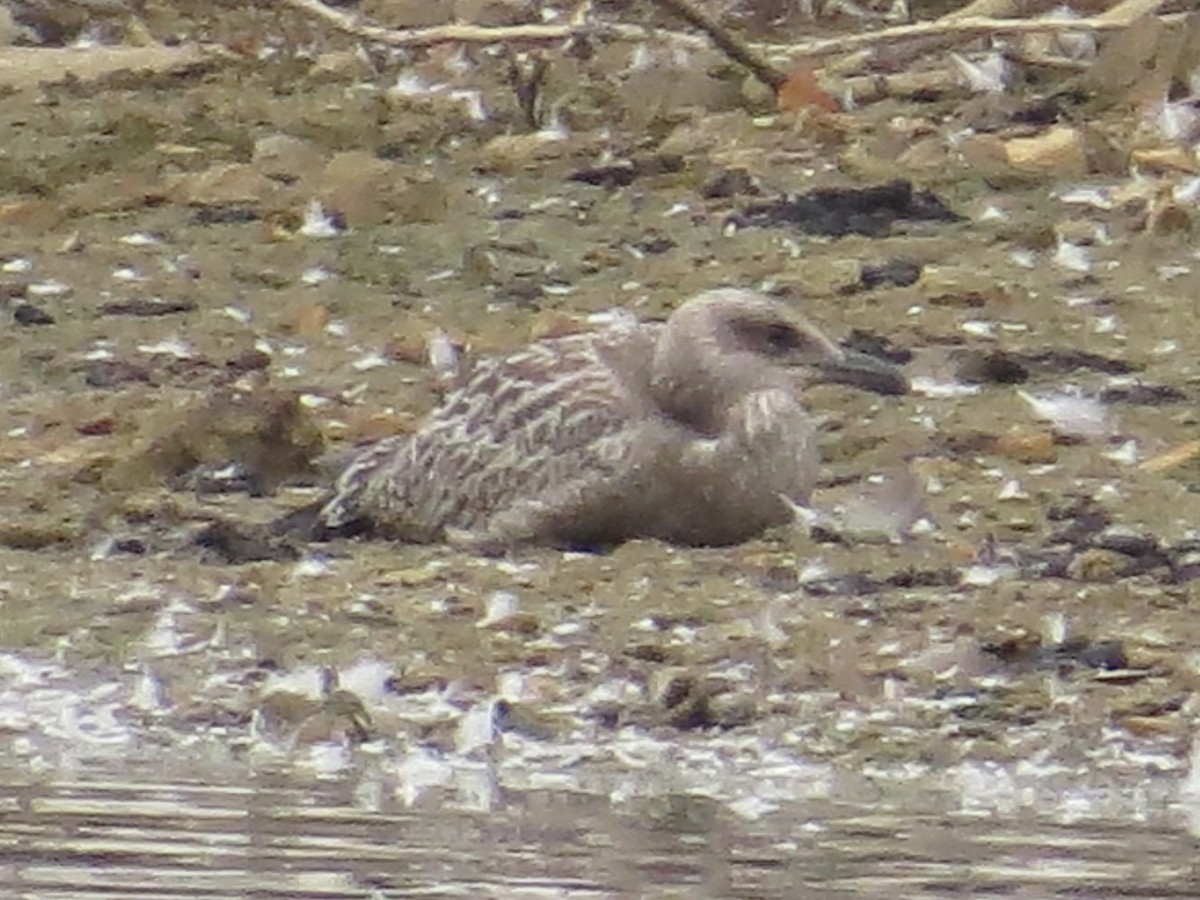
<point x="689" y="431"/>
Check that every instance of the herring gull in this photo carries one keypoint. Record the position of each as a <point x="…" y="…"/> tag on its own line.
<point x="689" y="431"/>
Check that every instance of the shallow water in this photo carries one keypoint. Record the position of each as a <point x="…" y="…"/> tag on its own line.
<point x="232" y="831"/>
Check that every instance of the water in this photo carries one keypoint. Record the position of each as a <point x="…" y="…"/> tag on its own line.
<point x="276" y="834"/>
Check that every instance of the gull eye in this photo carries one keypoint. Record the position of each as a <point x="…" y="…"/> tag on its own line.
<point x="782" y="338"/>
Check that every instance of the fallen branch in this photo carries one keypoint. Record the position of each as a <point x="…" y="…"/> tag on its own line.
<point x="950" y="27"/>
<point x="954" y="27"/>
<point x="963" y="24"/>
<point x="477" y="34"/>
<point x="727" y="43"/>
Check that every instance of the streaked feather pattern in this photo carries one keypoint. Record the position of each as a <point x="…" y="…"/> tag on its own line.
<point x="688" y="431"/>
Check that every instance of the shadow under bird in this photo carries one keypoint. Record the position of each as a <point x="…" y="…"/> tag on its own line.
<point x="689" y="431"/>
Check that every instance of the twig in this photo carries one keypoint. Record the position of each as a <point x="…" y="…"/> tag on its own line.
<point x="476" y="34"/>
<point x="726" y="43"/>
<point x="948" y="28"/>
<point x="527" y="77"/>
<point x="1120" y="16"/>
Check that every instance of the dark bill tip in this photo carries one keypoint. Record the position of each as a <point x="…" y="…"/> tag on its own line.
<point x="866" y="372"/>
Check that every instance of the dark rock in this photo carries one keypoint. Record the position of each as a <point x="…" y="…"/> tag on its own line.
<point x="729" y="183"/>
<point x="249" y="360"/>
<point x="898" y="272"/>
<point x="654" y="244"/>
<point x="28" y="314"/>
<point x="225" y="215"/>
<point x="995" y="367"/>
<point x="625" y="172"/>
<point x="1143" y="395"/>
<point x="837" y="212"/>
<point x="108" y="373"/>
<point x="1062" y="360"/>
<point x="147" y="307"/>
<point x="235" y="543"/>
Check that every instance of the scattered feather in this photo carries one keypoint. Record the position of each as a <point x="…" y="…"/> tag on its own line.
<point x="990" y="75"/>
<point x="311" y="567"/>
<point x="443" y="353"/>
<point x="1012" y="490"/>
<point x="319" y="223"/>
<point x="1175" y="121"/>
<point x="1024" y="259"/>
<point x="374" y="360"/>
<point x="315" y="275"/>
<point x="1072" y="257"/>
<point x="472" y="102"/>
<point x="501" y="606"/>
<point x="50" y="288"/>
<point x="1078" y="45"/>
<point x="477" y="728"/>
<point x="139" y="239"/>
<point x="1070" y="413"/>
<point x="176" y="347"/>
<point x="986" y="576"/>
<point x="751" y="808"/>
<point x="1187" y="191"/>
<point x="409" y="84"/>
<point x="1098" y="197"/>
<point x="1125" y="455"/>
<point x="979" y="328"/>
<point x="928" y="387"/>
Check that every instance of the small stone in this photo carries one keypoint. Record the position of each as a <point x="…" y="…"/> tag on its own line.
<point x="28" y="314"/>
<point x="1029" y="447"/>
<point x="358" y="186"/>
<point x="1056" y="153"/>
<point x="226" y="184"/>
<point x="510" y="153"/>
<point x="422" y="199"/>
<point x="115" y="192"/>
<point x="1097" y="566"/>
<point x="995" y="367"/>
<point x="287" y="158"/>
<point x="110" y="373"/>
<point x="339" y="65"/>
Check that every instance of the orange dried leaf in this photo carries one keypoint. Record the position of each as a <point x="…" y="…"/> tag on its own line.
<point x="801" y="91"/>
<point x="1030" y="447"/>
<point x="311" y="320"/>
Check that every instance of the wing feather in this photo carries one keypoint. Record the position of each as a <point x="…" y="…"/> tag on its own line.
<point x="521" y="427"/>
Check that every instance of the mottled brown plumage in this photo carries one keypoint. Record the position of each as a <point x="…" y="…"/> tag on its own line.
<point x="688" y="431"/>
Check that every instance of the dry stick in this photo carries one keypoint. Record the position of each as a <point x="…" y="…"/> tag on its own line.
<point x="475" y="34"/>
<point x="726" y="43"/>
<point x="955" y="29"/>
<point x="959" y="29"/>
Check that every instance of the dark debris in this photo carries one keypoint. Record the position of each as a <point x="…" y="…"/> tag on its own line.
<point x="837" y="212"/>
<point x="147" y="307"/>
<point x="234" y="543"/>
<point x="28" y="314"/>
<point x="626" y="171"/>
